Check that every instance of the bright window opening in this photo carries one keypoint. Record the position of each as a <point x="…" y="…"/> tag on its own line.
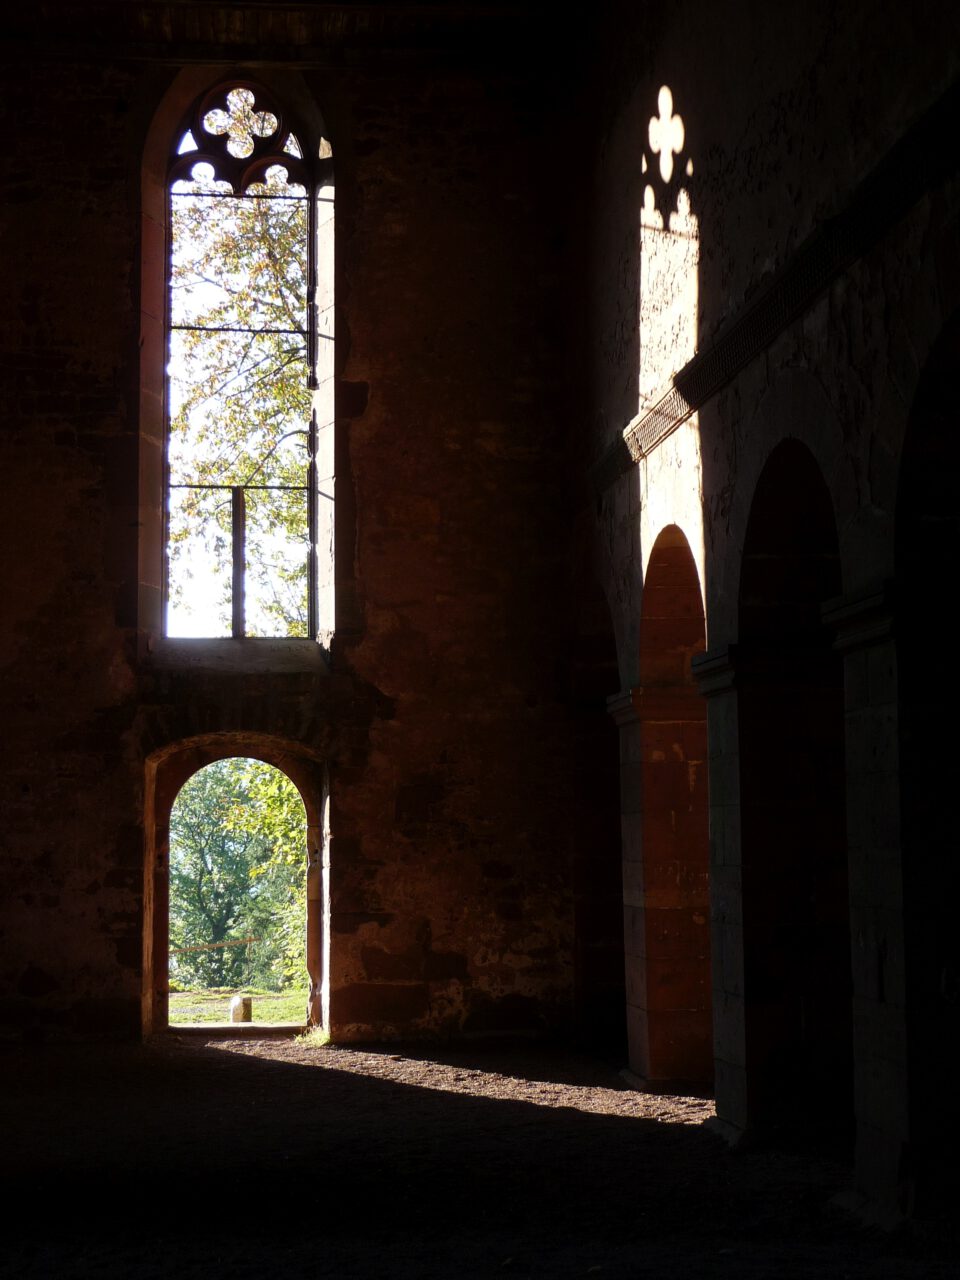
<point x="249" y="460"/>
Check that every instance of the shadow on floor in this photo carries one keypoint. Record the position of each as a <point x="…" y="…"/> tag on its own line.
<point x="187" y="1160"/>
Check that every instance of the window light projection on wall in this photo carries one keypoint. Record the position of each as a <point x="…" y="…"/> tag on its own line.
<point x="669" y="258"/>
<point x="249" y="538"/>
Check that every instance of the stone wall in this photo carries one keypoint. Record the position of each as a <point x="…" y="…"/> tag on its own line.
<point x="827" y="268"/>
<point x="587" y="305"/>
<point x="443" y="716"/>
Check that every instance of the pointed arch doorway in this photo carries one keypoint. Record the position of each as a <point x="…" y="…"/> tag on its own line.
<point x="797" y="985"/>
<point x="666" y="889"/>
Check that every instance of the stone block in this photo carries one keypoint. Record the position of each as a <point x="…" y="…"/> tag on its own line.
<point x="631" y="836"/>
<point x="730" y="1090"/>
<point x="241" y="1009"/>
<point x="729" y="1027"/>
<point x="679" y="985"/>
<point x="634" y="930"/>
<point x="855" y="685"/>
<point x="638" y="1048"/>
<point x="633" y="883"/>
<point x="635" y="972"/>
<point x="676" y="933"/>
<point x="882" y="674"/>
<point x="377" y="1005"/>
<point x="728" y="958"/>
<point x="680" y="1045"/>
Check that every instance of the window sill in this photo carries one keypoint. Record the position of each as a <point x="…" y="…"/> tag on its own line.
<point x="243" y="656"/>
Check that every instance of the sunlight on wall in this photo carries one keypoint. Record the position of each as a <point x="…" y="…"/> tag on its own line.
<point x="668" y="316"/>
<point x="669" y="260"/>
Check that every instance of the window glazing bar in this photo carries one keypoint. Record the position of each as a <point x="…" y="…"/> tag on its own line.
<point x="238" y="513"/>
<point x="313" y="583"/>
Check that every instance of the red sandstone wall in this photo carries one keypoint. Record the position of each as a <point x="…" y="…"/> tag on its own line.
<point x="443" y="722"/>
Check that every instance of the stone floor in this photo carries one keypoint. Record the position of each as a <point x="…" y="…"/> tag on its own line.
<point x="247" y="1158"/>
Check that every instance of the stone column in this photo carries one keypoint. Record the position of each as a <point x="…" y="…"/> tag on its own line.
<point x="715" y="673"/>
<point x="864" y="628"/>
<point x="624" y="713"/>
<point x="664" y="842"/>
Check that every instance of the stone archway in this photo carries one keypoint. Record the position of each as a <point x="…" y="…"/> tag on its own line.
<point x="666" y="878"/>
<point x="167" y="770"/>
<point x="795" y="900"/>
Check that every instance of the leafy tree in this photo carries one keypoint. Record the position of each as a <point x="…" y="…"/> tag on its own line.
<point x="238" y="870"/>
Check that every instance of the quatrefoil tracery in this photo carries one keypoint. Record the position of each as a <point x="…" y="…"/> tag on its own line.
<point x="666" y="138"/>
<point x="239" y="131"/>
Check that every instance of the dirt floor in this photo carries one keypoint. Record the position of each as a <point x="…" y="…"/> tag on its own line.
<point x="245" y="1158"/>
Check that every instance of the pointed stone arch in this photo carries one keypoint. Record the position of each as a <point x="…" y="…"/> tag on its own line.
<point x="666" y="865"/>
<point x="797" y="986"/>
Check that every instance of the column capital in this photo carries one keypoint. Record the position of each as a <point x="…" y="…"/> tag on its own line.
<point x="715" y="671"/>
<point x="860" y="619"/>
<point x="622" y="707"/>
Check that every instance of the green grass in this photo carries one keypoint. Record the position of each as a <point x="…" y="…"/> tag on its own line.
<point x="214" y="1006"/>
<point x="314" y="1038"/>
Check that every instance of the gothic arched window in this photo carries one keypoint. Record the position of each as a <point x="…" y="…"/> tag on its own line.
<point x="249" y="391"/>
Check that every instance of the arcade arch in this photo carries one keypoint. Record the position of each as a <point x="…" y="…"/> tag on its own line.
<point x="667" y="912"/>
<point x="796" y="931"/>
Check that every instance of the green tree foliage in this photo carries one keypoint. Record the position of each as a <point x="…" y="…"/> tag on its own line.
<point x="238" y="870"/>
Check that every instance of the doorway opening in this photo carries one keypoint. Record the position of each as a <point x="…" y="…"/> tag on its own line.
<point x="796" y="920"/>
<point x="668" y="918"/>
<point x="235" y="892"/>
<point x="238" y="897"/>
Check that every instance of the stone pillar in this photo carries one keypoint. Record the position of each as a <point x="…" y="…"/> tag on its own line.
<point x="623" y="711"/>
<point x="864" y="628"/>
<point x="666" y="911"/>
<point x="714" y="672"/>
<point x="316" y="968"/>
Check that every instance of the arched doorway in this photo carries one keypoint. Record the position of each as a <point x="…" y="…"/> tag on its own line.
<point x="168" y="770"/>
<point x="238" y="881"/>
<point x="796" y="931"/>
<point x="667" y="892"/>
<point x="927" y="555"/>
